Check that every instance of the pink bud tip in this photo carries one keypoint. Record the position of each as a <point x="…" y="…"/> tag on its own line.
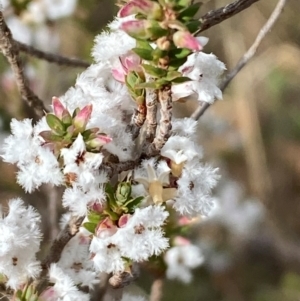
<point x="181" y="241"/>
<point x="183" y="39"/>
<point x="58" y="107"/>
<point x="135" y="28"/>
<point x="106" y="228"/>
<point x="123" y="220"/>
<point x="81" y="119"/>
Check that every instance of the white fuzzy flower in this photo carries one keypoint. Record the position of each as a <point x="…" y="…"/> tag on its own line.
<point x="181" y="260"/>
<point x="81" y="166"/>
<point x="75" y="261"/>
<point x="180" y="149"/>
<point x="204" y="70"/>
<point x="194" y="189"/>
<point x="19" y="242"/>
<point x="78" y="200"/>
<point x="111" y="45"/>
<point x="185" y="127"/>
<point x="37" y="164"/>
<point x="154" y="177"/>
<point x="64" y="288"/>
<point x="140" y="238"/>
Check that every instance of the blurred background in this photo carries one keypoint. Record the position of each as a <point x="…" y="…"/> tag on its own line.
<point x="251" y="243"/>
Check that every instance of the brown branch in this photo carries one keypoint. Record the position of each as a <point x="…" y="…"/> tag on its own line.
<point x="51" y="57"/>
<point x="165" y="125"/>
<point x="137" y="121"/>
<point x="70" y="230"/>
<point x="58" y="245"/>
<point x="151" y="103"/>
<point x="219" y="15"/>
<point x="11" y="52"/>
<point x="247" y="56"/>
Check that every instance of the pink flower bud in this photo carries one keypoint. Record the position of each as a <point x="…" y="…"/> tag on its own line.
<point x="81" y="119"/>
<point x="184" y="39"/>
<point x="145" y="7"/>
<point x="97" y="142"/>
<point x="128" y="62"/>
<point x="181" y="241"/>
<point x="136" y="28"/>
<point x="106" y="228"/>
<point x="119" y="73"/>
<point x="96" y="206"/>
<point x="50" y="294"/>
<point x="58" y="107"/>
<point x="123" y="220"/>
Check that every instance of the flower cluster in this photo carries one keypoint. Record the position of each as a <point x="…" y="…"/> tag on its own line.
<point x="129" y="168"/>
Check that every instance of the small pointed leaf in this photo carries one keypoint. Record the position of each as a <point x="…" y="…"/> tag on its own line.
<point x="154" y="71"/>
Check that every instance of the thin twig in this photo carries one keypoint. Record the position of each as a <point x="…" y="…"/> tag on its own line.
<point x="247" y="56"/>
<point x="252" y="50"/>
<point x="58" y="245"/>
<point x="70" y="230"/>
<point x="219" y="15"/>
<point x="11" y="52"/>
<point x="51" y="57"/>
<point x="156" y="290"/>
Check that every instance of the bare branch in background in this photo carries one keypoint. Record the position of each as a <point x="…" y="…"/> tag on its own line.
<point x="70" y="230"/>
<point x="11" y="52"/>
<point x="156" y="292"/>
<point x="252" y="50"/>
<point x="51" y="57"/>
<point x="247" y="56"/>
<point x="219" y="15"/>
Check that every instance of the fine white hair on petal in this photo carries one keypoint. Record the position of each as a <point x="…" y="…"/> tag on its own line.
<point x="37" y="164"/>
<point x="131" y="297"/>
<point x="75" y="261"/>
<point x="141" y="238"/>
<point x="64" y="288"/>
<point x="180" y="149"/>
<point x="205" y="71"/>
<point x="194" y="189"/>
<point x="185" y="127"/>
<point x="19" y="242"/>
<point x="78" y="200"/>
<point x="110" y="45"/>
<point x="181" y="260"/>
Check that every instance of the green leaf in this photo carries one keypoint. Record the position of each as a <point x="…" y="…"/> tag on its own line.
<point x="158" y="53"/>
<point x="149" y="85"/>
<point x="155" y="31"/>
<point x="131" y="79"/>
<point x="188" y="13"/>
<point x="91" y="227"/>
<point x="75" y="112"/>
<point x="132" y="204"/>
<point x="145" y="54"/>
<point x="176" y="63"/>
<point x="179" y="53"/>
<point x="179" y="80"/>
<point x="172" y="75"/>
<point x="154" y="71"/>
<point x="55" y="124"/>
<point x="94" y="217"/>
<point x="143" y="44"/>
<point x="193" y="25"/>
